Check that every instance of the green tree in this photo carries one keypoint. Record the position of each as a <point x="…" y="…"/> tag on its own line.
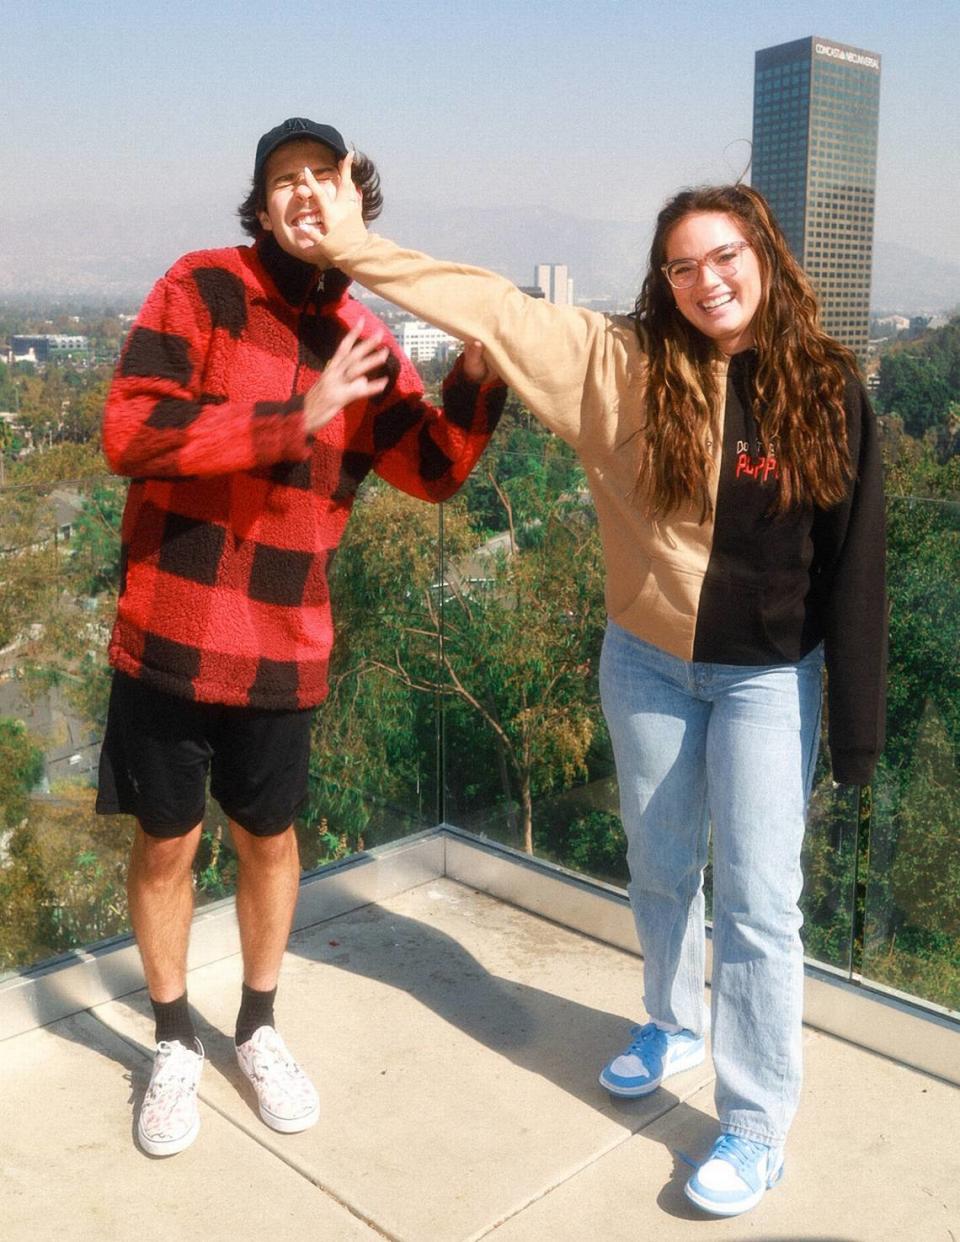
<point x="521" y="476"/>
<point x="914" y="387"/>
<point x="58" y="596"/>
<point x="920" y="378"/>
<point x="923" y="572"/>
<point x="506" y="638"/>
<point x="21" y="767"/>
<point x="28" y="568"/>
<point x="62" y="881"/>
<point x="83" y="416"/>
<point x="96" y="538"/>
<point x="522" y="652"/>
<point x="510" y="637"/>
<point x="913" y="906"/>
<point x="373" y="760"/>
<point x="8" y="390"/>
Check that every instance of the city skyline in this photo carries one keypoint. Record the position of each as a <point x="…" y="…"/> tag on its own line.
<point x="138" y="126"/>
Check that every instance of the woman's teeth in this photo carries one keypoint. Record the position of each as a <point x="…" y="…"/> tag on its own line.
<point x="713" y="303"/>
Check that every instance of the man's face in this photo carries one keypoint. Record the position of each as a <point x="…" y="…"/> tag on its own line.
<point x="289" y="201"/>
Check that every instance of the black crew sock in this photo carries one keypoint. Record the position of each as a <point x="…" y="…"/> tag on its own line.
<point x="174" y="1021"/>
<point x="256" y="1010"/>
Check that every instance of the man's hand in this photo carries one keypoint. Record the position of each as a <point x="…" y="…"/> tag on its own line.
<point x="476" y="367"/>
<point x="346" y="378"/>
<point x="334" y="205"/>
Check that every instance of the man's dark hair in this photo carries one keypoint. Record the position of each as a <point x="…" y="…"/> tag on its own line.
<point x="365" y="178"/>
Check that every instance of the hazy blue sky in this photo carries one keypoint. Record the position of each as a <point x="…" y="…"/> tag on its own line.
<point x="597" y="107"/>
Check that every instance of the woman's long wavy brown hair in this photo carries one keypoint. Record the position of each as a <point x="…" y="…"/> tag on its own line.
<point x="799" y="382"/>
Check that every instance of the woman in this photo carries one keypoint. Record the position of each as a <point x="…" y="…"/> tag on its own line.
<point x="733" y="461"/>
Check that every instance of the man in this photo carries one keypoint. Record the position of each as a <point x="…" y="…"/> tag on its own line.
<point x="252" y="397"/>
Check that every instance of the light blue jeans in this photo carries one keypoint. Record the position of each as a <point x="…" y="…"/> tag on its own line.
<point x="732" y="747"/>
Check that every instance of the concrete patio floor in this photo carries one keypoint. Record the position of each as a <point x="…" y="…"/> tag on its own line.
<point x="455" y="1041"/>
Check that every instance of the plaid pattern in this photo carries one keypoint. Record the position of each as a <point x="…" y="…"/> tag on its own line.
<point x="233" y="510"/>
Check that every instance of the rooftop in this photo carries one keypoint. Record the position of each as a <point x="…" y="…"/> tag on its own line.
<point x="455" y="1038"/>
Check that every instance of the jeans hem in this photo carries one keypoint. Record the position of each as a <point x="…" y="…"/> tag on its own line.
<point x="755" y="1136"/>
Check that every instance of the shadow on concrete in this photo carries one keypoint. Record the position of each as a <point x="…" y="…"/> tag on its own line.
<point x="560" y="1039"/>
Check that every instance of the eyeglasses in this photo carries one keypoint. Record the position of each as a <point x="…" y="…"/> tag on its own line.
<point x="724" y="261"/>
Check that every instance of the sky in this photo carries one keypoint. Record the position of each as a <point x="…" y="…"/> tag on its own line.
<point x="597" y="108"/>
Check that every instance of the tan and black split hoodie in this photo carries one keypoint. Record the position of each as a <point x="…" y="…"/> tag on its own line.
<point x="738" y="588"/>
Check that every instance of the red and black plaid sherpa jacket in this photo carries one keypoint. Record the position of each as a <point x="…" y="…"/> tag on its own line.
<point x="233" y="510"/>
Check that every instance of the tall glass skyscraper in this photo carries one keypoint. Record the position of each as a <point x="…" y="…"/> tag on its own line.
<point x="815" y="114"/>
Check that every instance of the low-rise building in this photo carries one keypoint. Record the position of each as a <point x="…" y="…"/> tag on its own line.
<point x="422" y="343"/>
<point x="48" y="347"/>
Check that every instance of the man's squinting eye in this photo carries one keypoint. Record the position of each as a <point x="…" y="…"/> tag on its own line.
<point x="292" y="178"/>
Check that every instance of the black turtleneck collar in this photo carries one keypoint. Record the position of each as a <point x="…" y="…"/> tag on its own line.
<point x="297" y="280"/>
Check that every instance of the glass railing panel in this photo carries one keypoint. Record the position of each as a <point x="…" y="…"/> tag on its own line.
<point x="62" y="867"/>
<point x="912" y="900"/>
<point x="527" y="759"/>
<point x="374" y="764"/>
<point x="829" y="870"/>
<point x="374" y="761"/>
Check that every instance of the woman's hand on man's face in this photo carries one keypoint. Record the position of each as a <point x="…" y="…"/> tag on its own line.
<point x="337" y="201"/>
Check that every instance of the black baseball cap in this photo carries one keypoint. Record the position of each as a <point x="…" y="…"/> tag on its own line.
<point x="289" y="130"/>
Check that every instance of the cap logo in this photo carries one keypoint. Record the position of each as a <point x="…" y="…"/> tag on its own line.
<point x="297" y="125"/>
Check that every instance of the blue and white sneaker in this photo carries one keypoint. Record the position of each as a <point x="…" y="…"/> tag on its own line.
<point x="734" y="1176"/>
<point x="653" y="1055"/>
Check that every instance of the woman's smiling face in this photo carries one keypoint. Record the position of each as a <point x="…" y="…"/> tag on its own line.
<point x="721" y="307"/>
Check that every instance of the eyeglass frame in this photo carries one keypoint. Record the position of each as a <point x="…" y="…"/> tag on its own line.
<point x="738" y="246"/>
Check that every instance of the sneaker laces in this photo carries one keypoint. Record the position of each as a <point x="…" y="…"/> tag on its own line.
<point x="741" y="1152"/>
<point x="643" y="1038"/>
<point x="172" y="1066"/>
<point x="270" y="1053"/>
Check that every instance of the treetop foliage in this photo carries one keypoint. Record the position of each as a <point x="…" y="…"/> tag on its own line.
<point x="920" y="379"/>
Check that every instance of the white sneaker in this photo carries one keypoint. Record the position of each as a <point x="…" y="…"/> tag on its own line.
<point x="288" y="1101"/>
<point x="169" y="1117"/>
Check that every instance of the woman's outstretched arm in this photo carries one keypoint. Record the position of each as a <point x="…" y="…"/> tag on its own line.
<point x="553" y="357"/>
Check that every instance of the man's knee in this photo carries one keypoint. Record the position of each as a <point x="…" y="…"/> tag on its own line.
<point x="162" y="860"/>
<point x="264" y="850"/>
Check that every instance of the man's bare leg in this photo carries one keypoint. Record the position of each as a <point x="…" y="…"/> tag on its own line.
<point x="160" y="892"/>
<point x="268" y="881"/>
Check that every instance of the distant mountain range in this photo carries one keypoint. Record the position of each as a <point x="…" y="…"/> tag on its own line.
<point x="101" y="255"/>
<point x="910" y="283"/>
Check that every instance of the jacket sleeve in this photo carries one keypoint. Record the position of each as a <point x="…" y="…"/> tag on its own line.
<point x="853" y="537"/>
<point x="160" y="422"/>
<point x="425" y="451"/>
<point x="551" y="356"/>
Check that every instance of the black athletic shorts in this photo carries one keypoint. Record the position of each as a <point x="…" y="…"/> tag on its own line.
<point x="158" y="749"/>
